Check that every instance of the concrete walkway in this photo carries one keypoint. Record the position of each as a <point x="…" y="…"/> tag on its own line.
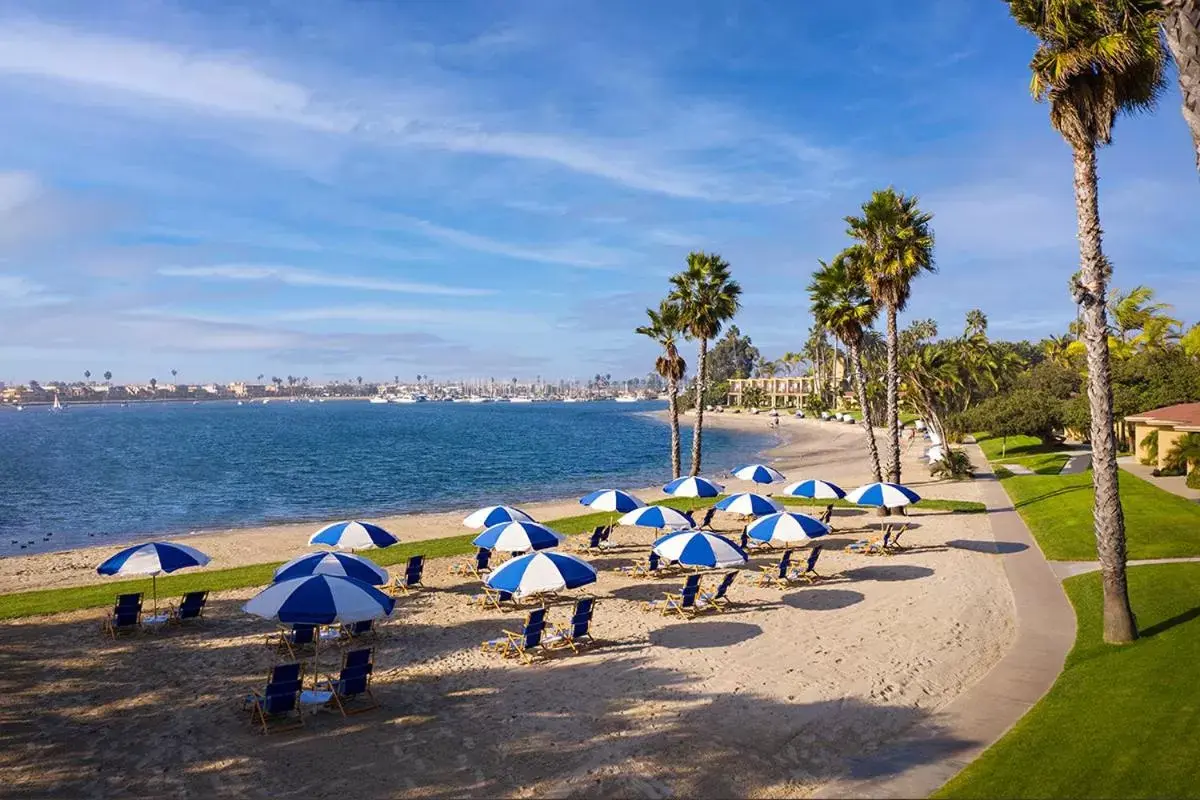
<point x="919" y="762"/>
<point x="1076" y="463"/>
<point x="1177" y="485"/>
<point x="1067" y="569"/>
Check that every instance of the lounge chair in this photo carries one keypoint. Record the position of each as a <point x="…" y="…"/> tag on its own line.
<point x="873" y="546"/>
<point x="753" y="544"/>
<point x="827" y="516"/>
<point x="191" y="607"/>
<point x="683" y="603"/>
<point x="719" y="598"/>
<point x="894" y="546"/>
<point x="126" y="616"/>
<point x="411" y="579"/>
<point x="353" y="682"/>
<point x="649" y="568"/>
<point x="777" y="573"/>
<point x="357" y="630"/>
<point x="520" y="644"/>
<point x="495" y="598"/>
<point x="579" y="628"/>
<point x="279" y="701"/>
<point x="479" y="567"/>
<point x="706" y="522"/>
<point x="809" y="573"/>
<point x="598" y="540"/>
<point x="297" y="638"/>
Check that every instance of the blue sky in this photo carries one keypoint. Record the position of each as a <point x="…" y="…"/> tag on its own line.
<point x="477" y="189"/>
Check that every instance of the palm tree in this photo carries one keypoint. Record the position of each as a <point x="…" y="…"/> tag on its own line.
<point x="841" y="303"/>
<point x="107" y="375"/>
<point x="1182" y="27"/>
<point x="666" y="328"/>
<point x="1185" y="452"/>
<point x="1055" y="348"/>
<point x="153" y="388"/>
<point x="707" y="298"/>
<point x="1096" y="59"/>
<point x="894" y="244"/>
<point x="976" y="322"/>
<point x="1134" y="311"/>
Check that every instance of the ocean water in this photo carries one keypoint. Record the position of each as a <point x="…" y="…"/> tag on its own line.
<point x="105" y="473"/>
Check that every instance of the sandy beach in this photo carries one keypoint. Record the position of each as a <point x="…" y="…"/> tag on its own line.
<point x="767" y="699"/>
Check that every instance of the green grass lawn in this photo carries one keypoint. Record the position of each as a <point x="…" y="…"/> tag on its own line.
<point x="1013" y="447"/>
<point x="1044" y="464"/>
<point x="1058" y="510"/>
<point x="1120" y="721"/>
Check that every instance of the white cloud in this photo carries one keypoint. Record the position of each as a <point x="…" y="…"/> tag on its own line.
<point x="293" y="276"/>
<point x="585" y="254"/>
<point x="17" y="291"/>
<point x="499" y="321"/>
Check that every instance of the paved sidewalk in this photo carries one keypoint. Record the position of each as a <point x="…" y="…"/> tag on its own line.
<point x="1067" y="569"/>
<point x="928" y="755"/>
<point x="1176" y="485"/>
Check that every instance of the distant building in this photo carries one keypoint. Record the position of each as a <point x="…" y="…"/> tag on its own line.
<point x="1171" y="423"/>
<point x="243" y="389"/>
<point x="788" y="392"/>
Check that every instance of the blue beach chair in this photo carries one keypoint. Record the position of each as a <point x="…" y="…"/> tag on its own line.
<point x="777" y="573"/>
<point x="358" y="630"/>
<point x="520" y="644"/>
<point x="277" y="707"/>
<point x="648" y="568"/>
<point x="297" y="638"/>
<point x="683" y="603"/>
<point x="479" y="567"/>
<point x="872" y="546"/>
<point x="191" y="607"/>
<point x="809" y="573"/>
<point x="496" y="598"/>
<point x="353" y="682"/>
<point x="126" y="616"/>
<point x="411" y="579"/>
<point x="718" y="599"/>
<point x="579" y="628"/>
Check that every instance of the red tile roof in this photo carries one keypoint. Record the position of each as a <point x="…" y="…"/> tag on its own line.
<point x="1183" y="414"/>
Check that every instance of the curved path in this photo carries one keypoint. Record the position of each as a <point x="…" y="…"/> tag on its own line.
<point x="929" y="754"/>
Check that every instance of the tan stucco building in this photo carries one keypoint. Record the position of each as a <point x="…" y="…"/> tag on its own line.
<point x="1171" y="422"/>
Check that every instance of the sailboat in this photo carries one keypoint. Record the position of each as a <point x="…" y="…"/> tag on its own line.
<point x="57" y="405"/>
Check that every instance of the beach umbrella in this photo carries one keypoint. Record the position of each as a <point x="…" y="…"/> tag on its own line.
<point x="888" y="495"/>
<point x="699" y="549"/>
<point x="748" y="504"/>
<point x="494" y="515"/>
<point x="517" y="537"/>
<point x="353" y="536"/>
<point x="693" y="487"/>
<point x="344" y="565"/>
<point x="152" y="559"/>
<point x="320" y="600"/>
<point x="786" y="527"/>
<point x="759" y="473"/>
<point x="611" y="500"/>
<point x="816" y="489"/>
<point x="541" y="572"/>
<point x="657" y="517"/>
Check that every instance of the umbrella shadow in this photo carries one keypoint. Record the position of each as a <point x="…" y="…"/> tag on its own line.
<point x="884" y="572"/>
<point x="823" y="599"/>
<point x="984" y="546"/>
<point x="709" y="633"/>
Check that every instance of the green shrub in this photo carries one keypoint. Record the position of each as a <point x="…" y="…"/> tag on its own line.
<point x="1193" y="479"/>
<point x="955" y="464"/>
<point x="1151" y="445"/>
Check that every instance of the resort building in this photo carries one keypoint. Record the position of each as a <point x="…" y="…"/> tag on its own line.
<point x="787" y="392"/>
<point x="1171" y="423"/>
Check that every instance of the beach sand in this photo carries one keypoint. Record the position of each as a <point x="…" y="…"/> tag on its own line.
<point x="768" y="699"/>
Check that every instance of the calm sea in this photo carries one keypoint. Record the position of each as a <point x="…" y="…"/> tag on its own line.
<point x="104" y="474"/>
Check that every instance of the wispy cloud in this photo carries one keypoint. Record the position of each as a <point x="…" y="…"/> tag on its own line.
<point x="586" y="254"/>
<point x="294" y="276"/>
<point x="20" y="292"/>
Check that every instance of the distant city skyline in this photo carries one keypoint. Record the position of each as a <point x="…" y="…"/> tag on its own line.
<point x="479" y="188"/>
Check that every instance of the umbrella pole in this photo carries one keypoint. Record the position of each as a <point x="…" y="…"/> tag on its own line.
<point x="154" y="586"/>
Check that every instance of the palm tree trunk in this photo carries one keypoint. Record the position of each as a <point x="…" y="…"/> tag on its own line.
<point x="1183" y="38"/>
<point x="1119" y="625"/>
<point x="698" y="430"/>
<point x="860" y="377"/>
<point x="673" y="401"/>
<point x="893" y="396"/>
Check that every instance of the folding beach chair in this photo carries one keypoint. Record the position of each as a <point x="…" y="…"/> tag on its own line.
<point x="191" y="607"/>
<point x="827" y="516"/>
<point x="809" y="573"/>
<point x="706" y="522"/>
<point x="753" y="544"/>
<point x="353" y="682"/>
<point x="894" y="546"/>
<point x="574" y="632"/>
<point x="683" y="603"/>
<point x="277" y="707"/>
<point x="411" y="579"/>
<point x="648" y="568"/>
<point x="357" y="630"/>
<point x="297" y="638"/>
<point x="496" y="598"/>
<point x="479" y="567"/>
<point x="777" y="573"/>
<point x="126" y="616"/>
<point x="718" y="599"/>
<point x="598" y="539"/>
<point x="872" y="546"/>
<point x="520" y="644"/>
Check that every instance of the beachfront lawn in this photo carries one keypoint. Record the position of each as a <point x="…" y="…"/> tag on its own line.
<point x="1058" y="510"/>
<point x="1121" y="721"/>
<point x="1044" y="464"/>
<point x="1013" y="447"/>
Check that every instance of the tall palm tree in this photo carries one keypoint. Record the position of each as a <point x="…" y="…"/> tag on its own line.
<point x="1096" y="59"/>
<point x="1134" y="310"/>
<point x="707" y="298"/>
<point x="841" y="303"/>
<point x="1055" y="348"/>
<point x="666" y="328"/>
<point x="1182" y="26"/>
<point x="894" y="244"/>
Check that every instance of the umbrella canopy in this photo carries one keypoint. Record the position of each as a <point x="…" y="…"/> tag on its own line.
<point x="888" y="495"/>
<point x="699" y="549"/>
<point x="494" y="515"/>
<point x="816" y="489"/>
<point x="759" y="473"/>
<point x="343" y="565"/>
<point x="353" y="536"/>
<point x="541" y="572"/>
<point x="786" y="527"/>
<point x="320" y="600"/>
<point x="693" y="487"/>
<point x="657" y="517"/>
<point x="611" y="500"/>
<point x="517" y="537"/>
<point x="153" y="558"/>
<point x="748" y="504"/>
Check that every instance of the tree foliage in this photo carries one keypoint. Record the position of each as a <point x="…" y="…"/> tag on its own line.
<point x="733" y="356"/>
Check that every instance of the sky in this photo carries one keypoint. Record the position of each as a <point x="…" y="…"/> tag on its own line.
<point x="334" y="188"/>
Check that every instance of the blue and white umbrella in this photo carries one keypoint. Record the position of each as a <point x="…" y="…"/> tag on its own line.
<point x="699" y="549"/>
<point x="786" y="527"/>
<point x="320" y="600"/>
<point x="152" y="559"/>
<point x="353" y="536"/>
<point x="816" y="489"/>
<point x="657" y="517"/>
<point x="888" y="495"/>
<point x="517" y="537"/>
<point x="344" y="565"/>
<point x="541" y="572"/>
<point x="759" y="473"/>
<point x="748" y="504"/>
<point x="611" y="500"/>
<point x="693" y="487"/>
<point x="494" y="515"/>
